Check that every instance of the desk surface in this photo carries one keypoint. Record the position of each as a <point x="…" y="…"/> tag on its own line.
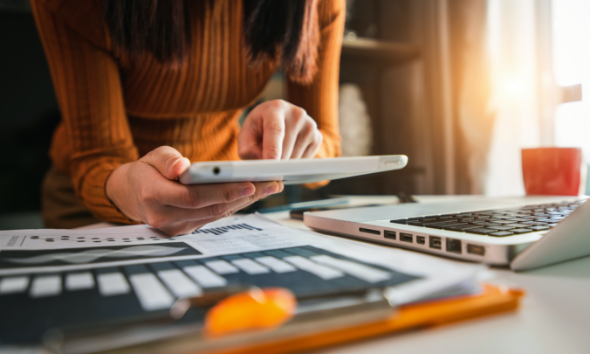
<point x="554" y="318"/>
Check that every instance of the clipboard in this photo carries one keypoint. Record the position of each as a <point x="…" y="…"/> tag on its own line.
<point x="298" y="337"/>
<point x="492" y="300"/>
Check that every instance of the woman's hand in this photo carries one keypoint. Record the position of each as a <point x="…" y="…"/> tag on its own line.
<point x="278" y="130"/>
<point x="146" y="190"/>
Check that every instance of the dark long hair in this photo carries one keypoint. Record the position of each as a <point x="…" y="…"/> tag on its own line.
<point x="285" y="29"/>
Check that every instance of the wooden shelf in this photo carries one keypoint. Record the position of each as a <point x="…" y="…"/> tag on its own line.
<point x="378" y="52"/>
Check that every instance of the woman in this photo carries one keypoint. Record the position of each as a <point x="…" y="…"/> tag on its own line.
<point x="146" y="87"/>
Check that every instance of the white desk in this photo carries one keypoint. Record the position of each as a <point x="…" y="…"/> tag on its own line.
<point x="554" y="318"/>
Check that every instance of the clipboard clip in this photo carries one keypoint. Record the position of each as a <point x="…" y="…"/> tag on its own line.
<point x="245" y="308"/>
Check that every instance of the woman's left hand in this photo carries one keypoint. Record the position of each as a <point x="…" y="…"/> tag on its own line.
<point x="278" y="130"/>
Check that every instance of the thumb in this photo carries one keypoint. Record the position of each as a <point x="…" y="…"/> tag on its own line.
<point x="168" y="161"/>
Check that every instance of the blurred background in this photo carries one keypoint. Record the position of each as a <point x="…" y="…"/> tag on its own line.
<point x="460" y="86"/>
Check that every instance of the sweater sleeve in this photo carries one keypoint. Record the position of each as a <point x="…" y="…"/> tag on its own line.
<point x="88" y="89"/>
<point x="320" y="98"/>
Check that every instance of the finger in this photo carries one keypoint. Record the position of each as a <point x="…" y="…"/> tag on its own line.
<point x="305" y="138"/>
<point x="294" y="123"/>
<point x="185" y="228"/>
<point x="202" y="195"/>
<point x="313" y="148"/>
<point x="263" y="189"/>
<point x="168" y="161"/>
<point x="168" y="218"/>
<point x="269" y="188"/>
<point x="281" y="187"/>
<point x="250" y="138"/>
<point x="273" y="133"/>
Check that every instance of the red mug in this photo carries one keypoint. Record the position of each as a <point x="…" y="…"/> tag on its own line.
<point x="552" y="171"/>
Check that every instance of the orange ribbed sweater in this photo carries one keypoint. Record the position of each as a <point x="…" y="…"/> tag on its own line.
<point x="113" y="113"/>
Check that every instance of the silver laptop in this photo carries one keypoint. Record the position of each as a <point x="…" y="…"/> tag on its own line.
<point x="523" y="233"/>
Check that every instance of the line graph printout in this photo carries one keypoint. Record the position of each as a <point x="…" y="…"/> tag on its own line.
<point x="56" y="257"/>
<point x="57" y="250"/>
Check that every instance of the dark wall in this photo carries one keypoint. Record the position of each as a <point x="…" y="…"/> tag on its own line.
<point x="28" y="113"/>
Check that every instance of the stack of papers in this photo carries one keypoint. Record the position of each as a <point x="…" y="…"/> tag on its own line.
<point x="56" y="279"/>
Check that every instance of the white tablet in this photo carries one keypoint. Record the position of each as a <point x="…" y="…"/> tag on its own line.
<point x="290" y="171"/>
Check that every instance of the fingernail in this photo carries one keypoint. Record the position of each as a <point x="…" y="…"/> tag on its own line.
<point x="270" y="190"/>
<point x="174" y="164"/>
<point x="248" y="191"/>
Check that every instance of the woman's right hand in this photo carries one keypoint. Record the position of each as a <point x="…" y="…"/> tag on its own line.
<point x="146" y="190"/>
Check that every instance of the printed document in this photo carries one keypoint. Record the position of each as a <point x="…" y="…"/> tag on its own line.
<point x="50" y="250"/>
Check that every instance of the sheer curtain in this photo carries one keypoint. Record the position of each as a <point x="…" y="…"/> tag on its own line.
<point x="512" y="40"/>
<point x="474" y="115"/>
<point x="505" y="95"/>
<point x="572" y="67"/>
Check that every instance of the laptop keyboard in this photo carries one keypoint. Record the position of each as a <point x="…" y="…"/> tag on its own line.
<point x="501" y="222"/>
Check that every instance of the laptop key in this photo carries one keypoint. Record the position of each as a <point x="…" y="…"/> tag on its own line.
<point x="483" y="217"/>
<point x="480" y="231"/>
<point x="521" y="231"/>
<point x="501" y="228"/>
<point x="525" y="218"/>
<point x="557" y="218"/>
<point x="436" y="225"/>
<point x="429" y="220"/>
<point x="400" y="221"/>
<point x="539" y="228"/>
<point x="502" y="221"/>
<point x="451" y="225"/>
<point x="512" y="211"/>
<point x="548" y="220"/>
<point x="515" y="225"/>
<point x="463" y="227"/>
<point x="439" y="221"/>
<point x="501" y="234"/>
<point x="467" y="220"/>
<point x="416" y="223"/>
<point x="486" y="224"/>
